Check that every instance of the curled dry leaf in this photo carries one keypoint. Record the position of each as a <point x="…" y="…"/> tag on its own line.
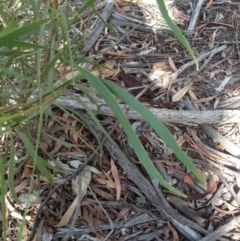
<point x="212" y="187"/>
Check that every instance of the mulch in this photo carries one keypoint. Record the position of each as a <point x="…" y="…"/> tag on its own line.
<point x="201" y="108"/>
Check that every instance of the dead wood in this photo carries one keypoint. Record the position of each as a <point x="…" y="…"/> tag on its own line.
<point x="185" y="117"/>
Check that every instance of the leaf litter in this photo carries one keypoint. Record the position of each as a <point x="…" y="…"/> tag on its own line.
<point x="146" y="54"/>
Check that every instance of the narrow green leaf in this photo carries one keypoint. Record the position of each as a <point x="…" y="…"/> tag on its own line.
<point x="88" y="4"/>
<point x="20" y="31"/>
<point x="11" y="171"/>
<point x="9" y="27"/>
<point x="16" y="43"/>
<point x="3" y="203"/>
<point x="158" y="126"/>
<point x="39" y="162"/>
<point x="175" y="29"/>
<point x="133" y="139"/>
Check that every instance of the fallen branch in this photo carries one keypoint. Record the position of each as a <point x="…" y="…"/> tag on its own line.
<point x="185" y="117"/>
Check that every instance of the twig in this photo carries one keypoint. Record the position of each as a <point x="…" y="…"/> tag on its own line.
<point x="107" y="11"/>
<point x="199" y="58"/>
<point x="109" y="219"/>
<point x="210" y="131"/>
<point x="165" y="115"/>
<point x="195" y="15"/>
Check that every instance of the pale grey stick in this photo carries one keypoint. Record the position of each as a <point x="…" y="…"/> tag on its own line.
<point x="185" y="117"/>
<point x="195" y="15"/>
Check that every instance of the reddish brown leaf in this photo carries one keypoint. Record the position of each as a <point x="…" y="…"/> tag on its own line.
<point x="131" y="81"/>
<point x="188" y="180"/>
<point x="124" y="213"/>
<point x="116" y="179"/>
<point x="57" y="147"/>
<point x="209" y="4"/>
<point x="102" y="193"/>
<point x="212" y="187"/>
<point x="172" y="64"/>
<point x="85" y="214"/>
<point x="174" y="232"/>
<point x="91" y="224"/>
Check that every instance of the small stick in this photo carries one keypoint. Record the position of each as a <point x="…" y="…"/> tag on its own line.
<point x="195" y="15"/>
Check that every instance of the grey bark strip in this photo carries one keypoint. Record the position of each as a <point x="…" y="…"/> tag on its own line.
<point x="107" y="11"/>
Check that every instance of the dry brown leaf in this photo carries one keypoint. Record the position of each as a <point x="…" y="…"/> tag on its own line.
<point x="209" y="4"/>
<point x="116" y="179"/>
<point x="85" y="180"/>
<point x="179" y="95"/>
<point x="188" y="180"/>
<point x="124" y="213"/>
<point x="26" y="169"/>
<point x="193" y="97"/>
<point x="85" y="213"/>
<point x="214" y="23"/>
<point x="102" y="193"/>
<point x="212" y="187"/>
<point x="172" y="64"/>
<point x="38" y="235"/>
<point x="68" y="214"/>
<point x="21" y="186"/>
<point x="212" y="74"/>
<point x="108" y="183"/>
<point x="108" y="70"/>
<point x="204" y="99"/>
<point x="91" y="224"/>
<point x="166" y="80"/>
<point x="57" y="146"/>
<point x="174" y="232"/>
<point x="96" y="47"/>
